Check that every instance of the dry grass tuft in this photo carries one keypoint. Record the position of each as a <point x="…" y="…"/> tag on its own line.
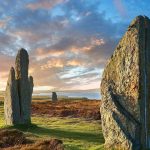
<point x="9" y="138"/>
<point x="12" y="139"/>
<point x="52" y="144"/>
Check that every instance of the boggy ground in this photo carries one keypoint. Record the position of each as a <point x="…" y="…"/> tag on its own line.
<point x="88" y="109"/>
<point x="77" y="131"/>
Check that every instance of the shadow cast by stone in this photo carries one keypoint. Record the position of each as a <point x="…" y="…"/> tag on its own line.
<point x="34" y="129"/>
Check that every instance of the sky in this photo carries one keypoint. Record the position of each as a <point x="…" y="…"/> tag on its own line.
<point x="68" y="41"/>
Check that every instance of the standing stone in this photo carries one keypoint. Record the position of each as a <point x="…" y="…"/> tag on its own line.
<point x="125" y="109"/>
<point x="11" y="103"/>
<point x="22" y="94"/>
<point x="24" y="89"/>
<point x="54" y="97"/>
<point x="31" y="86"/>
<point x="30" y="80"/>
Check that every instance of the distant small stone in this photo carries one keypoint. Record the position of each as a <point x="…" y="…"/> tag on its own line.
<point x="54" y="97"/>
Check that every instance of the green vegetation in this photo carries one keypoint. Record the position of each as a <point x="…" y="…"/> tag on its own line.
<point x="76" y="133"/>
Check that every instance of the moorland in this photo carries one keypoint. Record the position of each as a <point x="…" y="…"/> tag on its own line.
<point x="74" y="121"/>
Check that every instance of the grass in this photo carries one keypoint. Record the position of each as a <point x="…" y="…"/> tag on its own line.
<point x="76" y="133"/>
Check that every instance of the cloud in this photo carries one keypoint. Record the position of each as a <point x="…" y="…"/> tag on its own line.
<point x="5" y="65"/>
<point x="2" y="24"/>
<point x="68" y="41"/>
<point x="42" y="53"/>
<point x="88" y="46"/>
<point x="53" y="63"/>
<point x="44" y="88"/>
<point x="43" y="4"/>
<point x="75" y="63"/>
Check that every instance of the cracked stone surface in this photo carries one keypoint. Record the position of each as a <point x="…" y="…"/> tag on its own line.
<point x="124" y="90"/>
<point x="18" y="95"/>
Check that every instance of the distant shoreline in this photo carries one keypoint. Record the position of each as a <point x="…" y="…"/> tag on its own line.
<point x="82" y="94"/>
<point x="74" y="95"/>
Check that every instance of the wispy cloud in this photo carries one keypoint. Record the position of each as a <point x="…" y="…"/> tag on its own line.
<point x="53" y="63"/>
<point x="43" y="53"/>
<point x="75" y="62"/>
<point x="69" y="41"/>
<point x="44" y="4"/>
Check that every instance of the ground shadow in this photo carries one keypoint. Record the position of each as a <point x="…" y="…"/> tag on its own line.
<point x="34" y="129"/>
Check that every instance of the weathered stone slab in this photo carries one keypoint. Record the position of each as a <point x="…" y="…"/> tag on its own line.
<point x="20" y="86"/>
<point x="24" y="91"/>
<point x="11" y="103"/>
<point x="125" y="84"/>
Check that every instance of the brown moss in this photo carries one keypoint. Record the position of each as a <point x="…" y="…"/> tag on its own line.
<point x="88" y="109"/>
<point x="12" y="139"/>
<point x="9" y="138"/>
<point x="53" y="144"/>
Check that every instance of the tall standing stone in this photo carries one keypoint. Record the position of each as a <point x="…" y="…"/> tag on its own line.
<point x="21" y="72"/>
<point x="11" y="103"/>
<point x="22" y="94"/>
<point x="125" y="109"/>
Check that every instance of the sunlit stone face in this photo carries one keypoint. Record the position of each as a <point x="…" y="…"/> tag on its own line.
<point x="125" y="90"/>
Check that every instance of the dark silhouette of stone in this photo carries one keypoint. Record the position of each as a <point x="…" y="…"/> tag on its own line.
<point x="19" y="92"/>
<point x="31" y="85"/>
<point x="54" y="97"/>
<point x="125" y="85"/>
